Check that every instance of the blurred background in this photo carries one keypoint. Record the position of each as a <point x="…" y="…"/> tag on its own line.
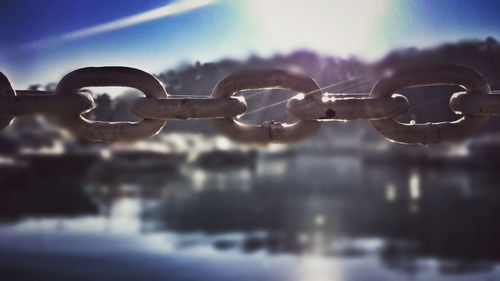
<point x="188" y="204"/>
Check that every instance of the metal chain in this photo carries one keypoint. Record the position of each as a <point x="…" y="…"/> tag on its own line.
<point x="311" y="106"/>
<point x="346" y="107"/>
<point x="270" y="131"/>
<point x="429" y="133"/>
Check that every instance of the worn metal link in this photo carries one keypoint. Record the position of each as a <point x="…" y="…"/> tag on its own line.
<point x="346" y="107"/>
<point x="270" y="131"/>
<point x="486" y="105"/>
<point x="430" y="133"/>
<point x="310" y="105"/>
<point x="188" y="108"/>
<point x="44" y="102"/>
<point x="6" y="90"/>
<point x="112" y="76"/>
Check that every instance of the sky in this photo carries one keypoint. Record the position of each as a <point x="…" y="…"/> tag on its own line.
<point x="40" y="41"/>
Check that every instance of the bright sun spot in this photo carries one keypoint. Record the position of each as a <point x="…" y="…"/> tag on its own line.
<point x="318" y="269"/>
<point x="341" y="27"/>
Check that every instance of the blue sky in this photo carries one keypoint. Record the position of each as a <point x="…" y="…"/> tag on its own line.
<point x="43" y="40"/>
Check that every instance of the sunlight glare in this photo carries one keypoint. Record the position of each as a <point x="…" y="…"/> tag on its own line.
<point x="343" y="27"/>
<point x="318" y="268"/>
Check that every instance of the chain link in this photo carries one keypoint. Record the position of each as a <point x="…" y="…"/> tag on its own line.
<point x="381" y="106"/>
<point x="6" y="90"/>
<point x="269" y="131"/>
<point x="485" y="105"/>
<point x="430" y="133"/>
<point x="44" y="102"/>
<point x="188" y="108"/>
<point x="112" y="76"/>
<point x="346" y="107"/>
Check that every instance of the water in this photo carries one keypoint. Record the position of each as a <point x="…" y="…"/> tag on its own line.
<point x="305" y="217"/>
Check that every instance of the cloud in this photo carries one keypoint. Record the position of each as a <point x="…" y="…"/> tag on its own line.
<point x="174" y="8"/>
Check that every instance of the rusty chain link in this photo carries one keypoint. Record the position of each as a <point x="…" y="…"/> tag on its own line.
<point x="429" y="133"/>
<point x="6" y="91"/>
<point x="187" y="108"/>
<point x="346" y="107"/>
<point x="111" y="76"/>
<point x="310" y="105"/>
<point x="270" y="131"/>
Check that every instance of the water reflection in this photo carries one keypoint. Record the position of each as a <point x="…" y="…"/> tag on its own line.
<point x="290" y="218"/>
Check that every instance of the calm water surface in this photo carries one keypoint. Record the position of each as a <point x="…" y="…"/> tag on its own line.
<point x="294" y="218"/>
